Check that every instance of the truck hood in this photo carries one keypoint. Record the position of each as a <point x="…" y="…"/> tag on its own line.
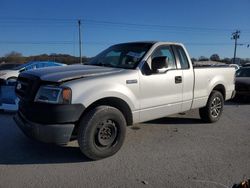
<point x="7" y="71"/>
<point x="4" y="74"/>
<point x="71" y="72"/>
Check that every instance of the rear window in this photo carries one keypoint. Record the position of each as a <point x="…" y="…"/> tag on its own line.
<point x="182" y="57"/>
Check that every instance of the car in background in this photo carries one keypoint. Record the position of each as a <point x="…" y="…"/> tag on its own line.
<point x="7" y="66"/>
<point x="10" y="75"/>
<point x="242" y="84"/>
<point x="237" y="67"/>
<point x="246" y="65"/>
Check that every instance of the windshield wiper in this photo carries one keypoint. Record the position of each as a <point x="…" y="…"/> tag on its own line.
<point x="103" y="64"/>
<point x="96" y="64"/>
<point x="110" y="65"/>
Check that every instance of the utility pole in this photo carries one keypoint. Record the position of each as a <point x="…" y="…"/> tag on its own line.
<point x="235" y="37"/>
<point x="80" y="41"/>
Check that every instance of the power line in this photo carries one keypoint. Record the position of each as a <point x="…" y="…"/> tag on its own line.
<point x="153" y="25"/>
<point x="104" y="43"/>
<point x="110" y="23"/>
<point x="207" y="44"/>
<point x="53" y="42"/>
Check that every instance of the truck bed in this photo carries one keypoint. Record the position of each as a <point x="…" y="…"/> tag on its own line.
<point x="207" y="77"/>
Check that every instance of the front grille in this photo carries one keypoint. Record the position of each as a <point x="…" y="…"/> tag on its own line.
<point x="27" y="86"/>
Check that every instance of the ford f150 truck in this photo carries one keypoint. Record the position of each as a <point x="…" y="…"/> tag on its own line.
<point x="125" y="84"/>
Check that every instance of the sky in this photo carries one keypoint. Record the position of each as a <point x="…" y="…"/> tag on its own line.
<point x="34" y="27"/>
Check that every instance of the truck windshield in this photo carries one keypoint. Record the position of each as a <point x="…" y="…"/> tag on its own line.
<point x="127" y="55"/>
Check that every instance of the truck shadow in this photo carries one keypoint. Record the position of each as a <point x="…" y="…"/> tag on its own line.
<point x="15" y="148"/>
<point x="30" y="152"/>
<point x="175" y="121"/>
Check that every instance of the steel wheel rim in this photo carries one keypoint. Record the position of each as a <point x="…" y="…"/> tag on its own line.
<point x="106" y="133"/>
<point x="216" y="107"/>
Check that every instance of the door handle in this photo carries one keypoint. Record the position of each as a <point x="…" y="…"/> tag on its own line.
<point x="178" y="79"/>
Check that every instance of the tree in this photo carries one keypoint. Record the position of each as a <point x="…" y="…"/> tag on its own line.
<point x="14" y="57"/>
<point x="13" y="54"/>
<point x="193" y="59"/>
<point x="203" y="58"/>
<point x="226" y="60"/>
<point x="215" y="57"/>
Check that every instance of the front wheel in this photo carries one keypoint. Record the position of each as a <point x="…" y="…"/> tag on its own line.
<point x="213" y="110"/>
<point x="101" y="132"/>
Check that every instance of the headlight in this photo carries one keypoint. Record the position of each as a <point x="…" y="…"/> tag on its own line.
<point x="2" y="73"/>
<point x="53" y="94"/>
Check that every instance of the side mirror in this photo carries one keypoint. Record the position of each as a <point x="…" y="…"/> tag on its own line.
<point x="159" y="64"/>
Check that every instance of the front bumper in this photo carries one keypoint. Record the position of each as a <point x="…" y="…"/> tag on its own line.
<point x="50" y="133"/>
<point x="45" y="113"/>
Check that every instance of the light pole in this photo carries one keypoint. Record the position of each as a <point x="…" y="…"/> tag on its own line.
<point x="235" y="37"/>
<point x="80" y="41"/>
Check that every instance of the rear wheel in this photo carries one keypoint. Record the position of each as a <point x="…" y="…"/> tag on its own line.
<point x="213" y="110"/>
<point x="101" y="132"/>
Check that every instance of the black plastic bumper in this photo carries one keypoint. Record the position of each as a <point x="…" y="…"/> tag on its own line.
<point x="50" y="133"/>
<point x="45" y="113"/>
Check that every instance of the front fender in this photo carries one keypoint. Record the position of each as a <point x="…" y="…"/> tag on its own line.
<point x="88" y="93"/>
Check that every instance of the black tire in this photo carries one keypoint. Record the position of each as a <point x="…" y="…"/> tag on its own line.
<point x="214" y="108"/>
<point x="101" y="132"/>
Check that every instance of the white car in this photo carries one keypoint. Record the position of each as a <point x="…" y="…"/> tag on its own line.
<point x="11" y="74"/>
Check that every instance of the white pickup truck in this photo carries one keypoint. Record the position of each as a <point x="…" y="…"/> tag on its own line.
<point x="125" y="84"/>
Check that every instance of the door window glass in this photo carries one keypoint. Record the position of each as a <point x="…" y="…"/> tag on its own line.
<point x="165" y="51"/>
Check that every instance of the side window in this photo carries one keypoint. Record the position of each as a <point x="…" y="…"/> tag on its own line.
<point x="167" y="52"/>
<point x="183" y="57"/>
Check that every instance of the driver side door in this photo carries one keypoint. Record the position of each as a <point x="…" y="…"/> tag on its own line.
<point x="161" y="93"/>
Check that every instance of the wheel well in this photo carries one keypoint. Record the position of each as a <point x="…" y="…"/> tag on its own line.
<point x="221" y="89"/>
<point x="116" y="103"/>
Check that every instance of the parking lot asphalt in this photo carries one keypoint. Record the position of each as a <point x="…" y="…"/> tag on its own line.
<point x="176" y="151"/>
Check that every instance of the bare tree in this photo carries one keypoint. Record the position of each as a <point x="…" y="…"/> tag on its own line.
<point x="215" y="57"/>
<point x="14" y="57"/>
